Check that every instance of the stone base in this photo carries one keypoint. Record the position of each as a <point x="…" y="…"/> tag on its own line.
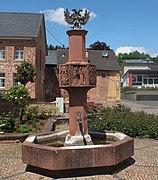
<point x="78" y="140"/>
<point x="76" y="157"/>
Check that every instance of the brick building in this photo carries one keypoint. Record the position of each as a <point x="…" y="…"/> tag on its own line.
<point x="22" y="37"/>
<point x="107" y="91"/>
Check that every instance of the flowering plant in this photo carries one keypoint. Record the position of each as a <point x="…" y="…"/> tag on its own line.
<point x="18" y="94"/>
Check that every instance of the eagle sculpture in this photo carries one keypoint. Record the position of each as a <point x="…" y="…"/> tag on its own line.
<point x="75" y="18"/>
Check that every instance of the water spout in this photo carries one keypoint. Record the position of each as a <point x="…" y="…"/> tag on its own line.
<point x="79" y="120"/>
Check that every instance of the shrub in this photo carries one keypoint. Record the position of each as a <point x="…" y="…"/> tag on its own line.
<point x="121" y="118"/>
<point x="127" y="88"/>
<point x="34" y="124"/>
<point x="32" y="111"/>
<point x="18" y="94"/>
<point x="25" y="128"/>
<point x="8" y="122"/>
<point x="41" y="111"/>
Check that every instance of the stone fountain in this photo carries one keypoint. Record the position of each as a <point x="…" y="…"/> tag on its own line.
<point x="77" y="76"/>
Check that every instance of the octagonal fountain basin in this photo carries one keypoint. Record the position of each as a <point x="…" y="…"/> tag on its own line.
<point x="47" y="151"/>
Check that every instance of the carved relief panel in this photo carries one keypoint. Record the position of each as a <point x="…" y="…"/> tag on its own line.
<point x="63" y="75"/>
<point x="77" y="75"/>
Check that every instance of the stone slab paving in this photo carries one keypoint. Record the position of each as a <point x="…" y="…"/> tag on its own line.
<point x="145" y="166"/>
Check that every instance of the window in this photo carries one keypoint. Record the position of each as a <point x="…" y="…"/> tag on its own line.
<point x="19" y="54"/>
<point x="150" y="81"/>
<point x="155" y="81"/>
<point x="137" y="80"/>
<point x="15" y="82"/>
<point x="2" y="80"/>
<point x="2" y="54"/>
<point x="145" y="81"/>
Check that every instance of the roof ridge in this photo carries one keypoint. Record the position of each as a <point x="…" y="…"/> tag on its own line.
<point x="21" y="13"/>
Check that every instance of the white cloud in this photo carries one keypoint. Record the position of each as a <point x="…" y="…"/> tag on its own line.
<point x="57" y="15"/>
<point x="92" y="14"/>
<point x="127" y="49"/>
<point x="154" y="54"/>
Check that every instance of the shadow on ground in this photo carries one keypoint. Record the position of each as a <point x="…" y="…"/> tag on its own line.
<point x="81" y="172"/>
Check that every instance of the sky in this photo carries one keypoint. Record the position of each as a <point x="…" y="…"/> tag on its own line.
<point x="124" y="25"/>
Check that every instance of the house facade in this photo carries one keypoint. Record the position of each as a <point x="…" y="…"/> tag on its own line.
<point x="22" y="37"/>
<point x="107" y="90"/>
<point x="139" y="73"/>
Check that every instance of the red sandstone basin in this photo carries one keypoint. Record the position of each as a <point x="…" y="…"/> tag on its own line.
<point x="74" y="157"/>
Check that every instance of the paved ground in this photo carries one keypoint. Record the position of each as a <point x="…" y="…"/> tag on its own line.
<point x="145" y="166"/>
<point x="147" y="106"/>
<point x="142" y="166"/>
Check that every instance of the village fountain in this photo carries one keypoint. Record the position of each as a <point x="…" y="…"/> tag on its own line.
<point x="77" y="76"/>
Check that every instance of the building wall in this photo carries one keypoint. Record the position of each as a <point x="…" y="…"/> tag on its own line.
<point x="107" y="90"/>
<point x="52" y="89"/>
<point x="31" y="53"/>
<point x="40" y="65"/>
<point x="126" y="80"/>
<point x="8" y="66"/>
<point x="128" y="67"/>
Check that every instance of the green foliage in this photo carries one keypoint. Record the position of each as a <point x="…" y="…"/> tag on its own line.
<point x="42" y="111"/>
<point x="46" y="111"/>
<point x="18" y="94"/>
<point x="25" y="128"/>
<point x="148" y="88"/>
<point x="99" y="46"/>
<point x="32" y="111"/>
<point x="132" y="55"/>
<point x="121" y="118"/>
<point x="155" y="58"/>
<point x="7" y="123"/>
<point x="127" y="88"/>
<point x="25" y="73"/>
<point x="34" y="124"/>
<point x="51" y="47"/>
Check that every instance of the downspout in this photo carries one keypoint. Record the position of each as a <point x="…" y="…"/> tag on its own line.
<point x="130" y="79"/>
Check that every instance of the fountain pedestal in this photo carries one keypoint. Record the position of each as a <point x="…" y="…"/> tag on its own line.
<point x="77" y="76"/>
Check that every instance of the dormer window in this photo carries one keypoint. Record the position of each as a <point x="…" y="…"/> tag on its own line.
<point x="2" y="53"/>
<point x="19" y="54"/>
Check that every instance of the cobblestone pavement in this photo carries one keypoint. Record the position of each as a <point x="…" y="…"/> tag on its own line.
<point x="145" y="166"/>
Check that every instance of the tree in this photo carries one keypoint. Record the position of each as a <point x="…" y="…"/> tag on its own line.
<point x="132" y="55"/>
<point x="51" y="47"/>
<point x="25" y="73"/>
<point x="155" y="58"/>
<point x="99" y="46"/>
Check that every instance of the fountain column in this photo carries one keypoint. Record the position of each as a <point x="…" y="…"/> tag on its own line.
<point x="77" y="76"/>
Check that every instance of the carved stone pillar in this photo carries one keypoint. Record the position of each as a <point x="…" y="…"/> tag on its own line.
<point x="77" y="76"/>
